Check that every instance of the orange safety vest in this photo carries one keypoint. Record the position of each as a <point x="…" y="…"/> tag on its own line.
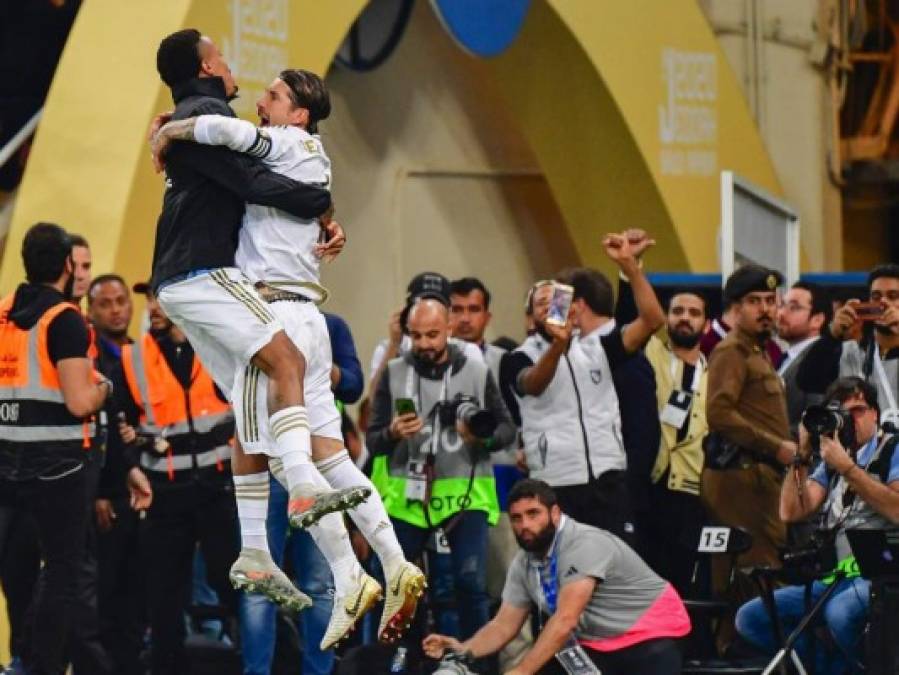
<point x="32" y="407"/>
<point x="194" y="423"/>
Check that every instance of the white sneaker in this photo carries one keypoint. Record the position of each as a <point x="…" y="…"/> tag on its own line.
<point x="348" y="609"/>
<point x="309" y="503"/>
<point x="255" y="571"/>
<point x="405" y="586"/>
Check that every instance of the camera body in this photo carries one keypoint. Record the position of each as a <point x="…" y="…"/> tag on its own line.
<point x="814" y="559"/>
<point x="466" y="408"/>
<point x="827" y="420"/>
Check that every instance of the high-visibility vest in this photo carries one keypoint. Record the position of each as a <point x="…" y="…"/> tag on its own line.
<point x="32" y="407"/>
<point x="195" y="424"/>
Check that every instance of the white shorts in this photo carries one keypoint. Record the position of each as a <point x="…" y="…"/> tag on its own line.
<point x="306" y="326"/>
<point x="224" y="319"/>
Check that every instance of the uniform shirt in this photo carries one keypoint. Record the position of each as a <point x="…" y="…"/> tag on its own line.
<point x="746" y="400"/>
<point x="630" y="602"/>
<point x="274" y="246"/>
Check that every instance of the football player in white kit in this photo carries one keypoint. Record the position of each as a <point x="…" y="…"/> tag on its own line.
<point x="281" y="255"/>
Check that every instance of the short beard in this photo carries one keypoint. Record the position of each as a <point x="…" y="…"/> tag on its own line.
<point x="684" y="341"/>
<point x="427" y="360"/>
<point x="883" y="330"/>
<point x="541" y="542"/>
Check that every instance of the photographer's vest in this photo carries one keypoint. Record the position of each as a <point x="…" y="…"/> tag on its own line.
<point x="860" y="515"/>
<point x="195" y="424"/>
<point x="455" y="487"/>
<point x="32" y="408"/>
<point x="572" y="431"/>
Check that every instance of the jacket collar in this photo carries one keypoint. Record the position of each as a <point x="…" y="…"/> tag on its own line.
<point x="200" y="86"/>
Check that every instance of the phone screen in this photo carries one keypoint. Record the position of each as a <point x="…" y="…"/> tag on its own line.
<point x="560" y="304"/>
<point x="404" y="406"/>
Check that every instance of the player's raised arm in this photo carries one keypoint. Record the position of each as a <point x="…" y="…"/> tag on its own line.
<point x="230" y="132"/>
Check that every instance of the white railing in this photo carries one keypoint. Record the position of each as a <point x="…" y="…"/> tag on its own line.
<point x="21" y="136"/>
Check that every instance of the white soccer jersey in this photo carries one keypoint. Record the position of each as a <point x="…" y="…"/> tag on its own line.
<point x="273" y="245"/>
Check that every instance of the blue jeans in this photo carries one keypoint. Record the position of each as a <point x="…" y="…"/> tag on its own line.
<point x="468" y="557"/>
<point x="257" y="613"/>
<point x="844" y="615"/>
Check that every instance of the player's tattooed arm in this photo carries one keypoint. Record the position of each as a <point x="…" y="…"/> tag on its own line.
<point x="178" y="130"/>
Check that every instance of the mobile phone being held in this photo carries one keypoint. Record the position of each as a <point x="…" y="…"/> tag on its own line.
<point x="869" y="311"/>
<point x="404" y="406"/>
<point x="560" y="304"/>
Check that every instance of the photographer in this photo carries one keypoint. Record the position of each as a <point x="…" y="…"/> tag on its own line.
<point x="854" y="487"/>
<point x="437" y="415"/>
<point x="875" y="358"/>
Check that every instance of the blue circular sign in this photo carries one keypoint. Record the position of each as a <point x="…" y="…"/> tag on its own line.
<point x="483" y="27"/>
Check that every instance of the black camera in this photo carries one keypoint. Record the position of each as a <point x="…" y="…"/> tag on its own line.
<point x="465" y="408"/>
<point x="827" y="420"/>
<point x="815" y="558"/>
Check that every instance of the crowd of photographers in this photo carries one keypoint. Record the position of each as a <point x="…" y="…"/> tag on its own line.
<point x="637" y="426"/>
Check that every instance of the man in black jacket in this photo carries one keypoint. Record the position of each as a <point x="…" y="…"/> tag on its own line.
<point x="229" y="325"/>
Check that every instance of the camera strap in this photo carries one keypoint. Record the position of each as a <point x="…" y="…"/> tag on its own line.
<point x="892" y="412"/>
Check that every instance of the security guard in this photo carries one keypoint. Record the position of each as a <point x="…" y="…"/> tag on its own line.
<point x="747" y="409"/>
<point x="48" y="393"/>
<point x="183" y="440"/>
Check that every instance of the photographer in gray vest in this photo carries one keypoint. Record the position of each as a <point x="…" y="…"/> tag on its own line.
<point x="436" y="417"/>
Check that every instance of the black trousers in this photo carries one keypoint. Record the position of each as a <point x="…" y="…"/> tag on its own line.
<point x="59" y="509"/>
<point x="653" y="657"/>
<point x="123" y="584"/>
<point x="181" y="517"/>
<point x="86" y="650"/>
<point x="604" y="502"/>
<point x="673" y="535"/>
<point x="20" y="565"/>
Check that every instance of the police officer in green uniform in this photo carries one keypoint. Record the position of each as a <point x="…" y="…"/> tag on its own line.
<point x="436" y="418"/>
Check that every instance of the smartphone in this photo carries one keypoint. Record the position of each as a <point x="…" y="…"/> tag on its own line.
<point x="869" y="311"/>
<point x="560" y="304"/>
<point x="404" y="406"/>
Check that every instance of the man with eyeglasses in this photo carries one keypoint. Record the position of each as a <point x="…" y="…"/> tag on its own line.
<point x="875" y="358"/>
<point x="746" y="409"/>
<point x="853" y="488"/>
<point x="802" y="314"/>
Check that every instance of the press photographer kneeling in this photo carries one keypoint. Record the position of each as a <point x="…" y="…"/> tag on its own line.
<point x="854" y="487"/>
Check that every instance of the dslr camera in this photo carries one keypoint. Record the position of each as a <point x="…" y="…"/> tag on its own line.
<point x="465" y="408"/>
<point x="827" y="420"/>
<point x="815" y="558"/>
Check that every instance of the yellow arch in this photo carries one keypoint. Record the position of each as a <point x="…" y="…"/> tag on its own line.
<point x="585" y="80"/>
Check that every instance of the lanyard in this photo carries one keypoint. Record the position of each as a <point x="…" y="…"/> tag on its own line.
<point x="414" y="392"/>
<point x="697" y="372"/>
<point x="882" y="376"/>
<point x="548" y="573"/>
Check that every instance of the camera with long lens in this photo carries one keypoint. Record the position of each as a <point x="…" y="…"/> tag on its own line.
<point x="454" y="663"/>
<point x="464" y="408"/>
<point x="827" y="420"/>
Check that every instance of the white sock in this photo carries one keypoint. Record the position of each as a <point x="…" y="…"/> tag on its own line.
<point x="370" y="516"/>
<point x="290" y="429"/>
<point x="251" y="492"/>
<point x="333" y="540"/>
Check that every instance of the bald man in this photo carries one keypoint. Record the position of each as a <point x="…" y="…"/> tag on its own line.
<point x="436" y="418"/>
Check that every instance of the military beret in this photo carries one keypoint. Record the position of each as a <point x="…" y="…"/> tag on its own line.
<point x="751" y="279"/>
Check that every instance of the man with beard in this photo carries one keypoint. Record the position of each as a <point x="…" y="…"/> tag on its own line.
<point x="876" y="358"/>
<point x="802" y="314"/>
<point x="563" y="383"/>
<point x="746" y="407"/>
<point x="48" y="394"/>
<point x="603" y="602"/>
<point x="439" y="472"/>
<point x="681" y="376"/>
